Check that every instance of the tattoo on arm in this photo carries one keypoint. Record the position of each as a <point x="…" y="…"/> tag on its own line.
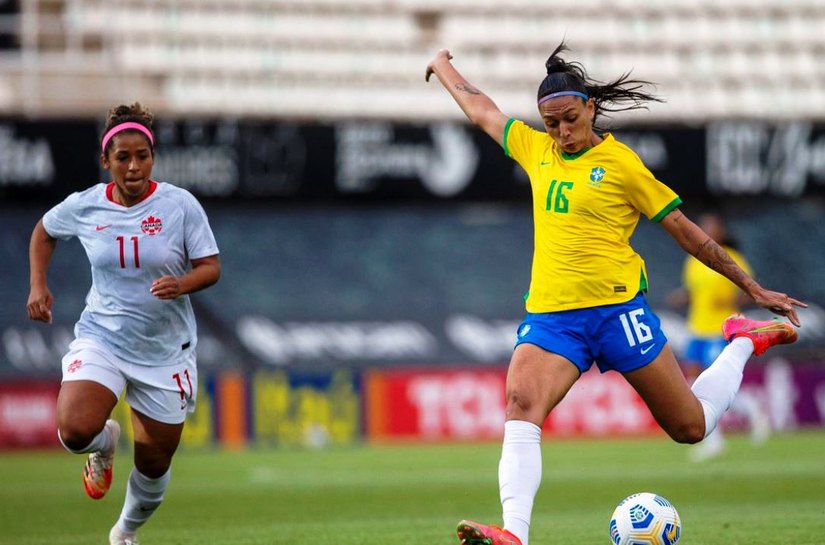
<point x="467" y="88"/>
<point x="715" y="257"/>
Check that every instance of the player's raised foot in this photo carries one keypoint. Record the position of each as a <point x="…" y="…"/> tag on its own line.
<point x="473" y="533"/>
<point x="119" y="537"/>
<point x="763" y="333"/>
<point x="97" y="474"/>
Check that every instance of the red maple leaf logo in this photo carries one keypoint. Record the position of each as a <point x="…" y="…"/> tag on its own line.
<point x="151" y="225"/>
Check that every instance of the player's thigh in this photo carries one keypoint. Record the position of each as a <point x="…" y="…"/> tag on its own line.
<point x="89" y="391"/>
<point x="160" y="398"/>
<point x="537" y="380"/>
<point x="665" y="390"/>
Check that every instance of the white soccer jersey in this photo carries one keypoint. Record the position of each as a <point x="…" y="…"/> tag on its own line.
<point x="129" y="248"/>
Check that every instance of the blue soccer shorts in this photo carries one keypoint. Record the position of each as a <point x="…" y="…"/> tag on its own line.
<point x="704" y="350"/>
<point x="621" y="337"/>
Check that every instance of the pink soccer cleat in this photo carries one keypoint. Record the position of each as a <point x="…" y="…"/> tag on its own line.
<point x="763" y="333"/>
<point x="473" y="533"/>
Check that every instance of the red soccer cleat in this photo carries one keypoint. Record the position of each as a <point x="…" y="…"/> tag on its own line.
<point x="763" y="333"/>
<point x="97" y="474"/>
<point x="473" y="533"/>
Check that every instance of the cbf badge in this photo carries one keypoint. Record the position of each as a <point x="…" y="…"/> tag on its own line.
<point x="596" y="176"/>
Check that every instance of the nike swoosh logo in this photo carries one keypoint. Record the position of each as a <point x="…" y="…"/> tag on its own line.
<point x="646" y="350"/>
<point x="545" y="163"/>
<point x="102" y="227"/>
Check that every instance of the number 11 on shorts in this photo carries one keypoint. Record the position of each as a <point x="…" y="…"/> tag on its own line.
<point x="635" y="331"/>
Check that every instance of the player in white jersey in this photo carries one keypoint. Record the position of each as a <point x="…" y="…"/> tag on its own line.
<point x="149" y="245"/>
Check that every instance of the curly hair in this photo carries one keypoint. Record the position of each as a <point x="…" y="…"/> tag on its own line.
<point x="122" y="113"/>
<point x="616" y="96"/>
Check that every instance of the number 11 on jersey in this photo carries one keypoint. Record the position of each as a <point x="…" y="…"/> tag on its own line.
<point x="136" y="254"/>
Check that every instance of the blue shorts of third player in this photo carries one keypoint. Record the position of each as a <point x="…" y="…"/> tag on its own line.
<point x="621" y="337"/>
<point x="704" y="350"/>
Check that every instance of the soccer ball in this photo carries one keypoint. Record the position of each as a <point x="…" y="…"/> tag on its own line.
<point x="645" y="519"/>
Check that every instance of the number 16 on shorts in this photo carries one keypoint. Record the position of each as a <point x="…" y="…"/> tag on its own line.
<point x="635" y="331"/>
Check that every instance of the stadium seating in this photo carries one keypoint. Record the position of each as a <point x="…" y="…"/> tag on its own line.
<point x="345" y="58"/>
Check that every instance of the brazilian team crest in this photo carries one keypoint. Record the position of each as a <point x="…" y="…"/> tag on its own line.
<point x="596" y="176"/>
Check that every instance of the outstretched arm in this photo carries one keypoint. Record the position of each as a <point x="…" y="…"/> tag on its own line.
<point x="698" y="244"/>
<point x="478" y="107"/>
<point x="41" y="248"/>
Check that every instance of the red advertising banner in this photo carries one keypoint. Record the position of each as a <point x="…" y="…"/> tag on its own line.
<point x="28" y="414"/>
<point x="469" y="405"/>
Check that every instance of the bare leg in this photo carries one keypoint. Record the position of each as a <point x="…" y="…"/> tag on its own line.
<point x="688" y="414"/>
<point x="155" y="444"/>
<point x="665" y="390"/>
<point x="536" y="381"/>
<point x="82" y="409"/>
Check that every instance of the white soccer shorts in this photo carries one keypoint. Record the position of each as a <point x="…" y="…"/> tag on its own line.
<point x="163" y="393"/>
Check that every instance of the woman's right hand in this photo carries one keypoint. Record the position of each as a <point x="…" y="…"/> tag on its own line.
<point x="442" y="55"/>
<point x="40" y="304"/>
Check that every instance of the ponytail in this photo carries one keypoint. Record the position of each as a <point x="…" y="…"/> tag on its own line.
<point x="570" y="78"/>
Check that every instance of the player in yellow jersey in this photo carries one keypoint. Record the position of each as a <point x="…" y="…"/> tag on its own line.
<point x="711" y="298"/>
<point x="586" y="301"/>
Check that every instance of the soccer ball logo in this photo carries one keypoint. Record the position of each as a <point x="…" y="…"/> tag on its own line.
<point x="645" y="519"/>
<point x="151" y="225"/>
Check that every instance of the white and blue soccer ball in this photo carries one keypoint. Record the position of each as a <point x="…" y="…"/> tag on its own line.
<point x="645" y="519"/>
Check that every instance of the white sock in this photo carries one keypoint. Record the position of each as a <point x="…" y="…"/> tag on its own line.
<point x="717" y="385"/>
<point x="519" y="475"/>
<point x="143" y="496"/>
<point x="103" y="441"/>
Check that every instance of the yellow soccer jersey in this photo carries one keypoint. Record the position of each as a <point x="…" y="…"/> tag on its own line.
<point x="585" y="209"/>
<point x="712" y="296"/>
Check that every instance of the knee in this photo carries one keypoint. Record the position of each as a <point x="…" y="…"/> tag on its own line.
<point x="522" y="407"/>
<point x="688" y="433"/>
<point x="76" y="436"/>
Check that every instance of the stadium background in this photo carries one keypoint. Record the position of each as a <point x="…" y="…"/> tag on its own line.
<point x="375" y="246"/>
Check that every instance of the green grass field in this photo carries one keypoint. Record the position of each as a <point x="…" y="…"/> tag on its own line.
<point x="379" y="495"/>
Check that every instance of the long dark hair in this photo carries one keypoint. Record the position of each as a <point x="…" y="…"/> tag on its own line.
<point x="616" y="96"/>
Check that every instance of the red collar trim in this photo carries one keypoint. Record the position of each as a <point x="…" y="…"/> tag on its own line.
<point x="110" y="187"/>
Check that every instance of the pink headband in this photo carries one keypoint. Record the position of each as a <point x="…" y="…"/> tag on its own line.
<point x="125" y="127"/>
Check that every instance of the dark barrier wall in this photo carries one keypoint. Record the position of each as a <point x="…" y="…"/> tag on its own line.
<point x="369" y="161"/>
<point x="373" y="273"/>
<point x="320" y="287"/>
<point x="9" y="12"/>
<point x="366" y="243"/>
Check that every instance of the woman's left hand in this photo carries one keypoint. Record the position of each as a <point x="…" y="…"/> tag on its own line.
<point x="166" y="287"/>
<point x="441" y="56"/>
<point x="779" y="303"/>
